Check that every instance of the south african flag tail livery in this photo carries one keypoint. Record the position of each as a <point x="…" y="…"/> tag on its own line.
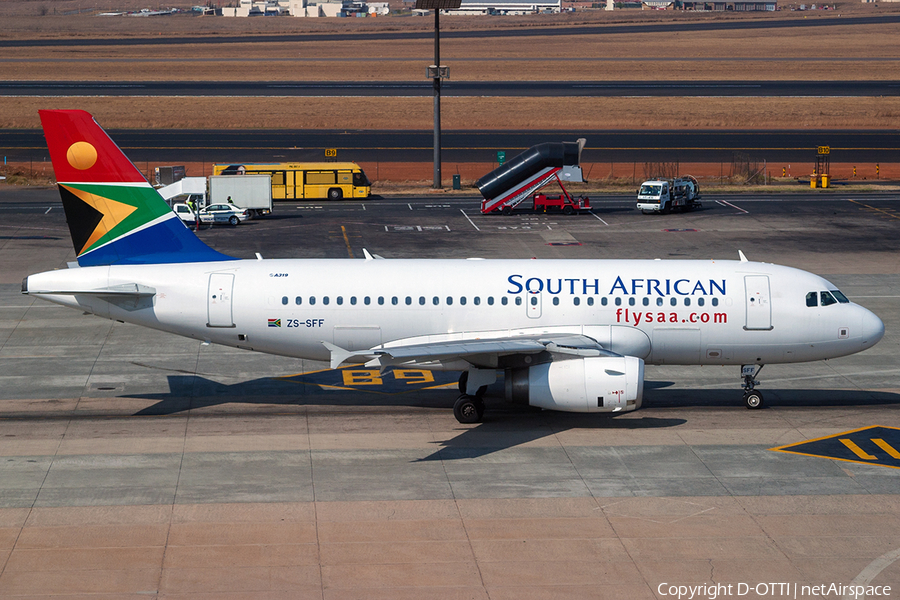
<point x="114" y="215"/>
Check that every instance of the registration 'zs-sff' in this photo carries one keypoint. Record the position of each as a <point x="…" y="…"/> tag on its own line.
<point x="570" y="335"/>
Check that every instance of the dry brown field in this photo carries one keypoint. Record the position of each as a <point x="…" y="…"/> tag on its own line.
<point x="839" y="52"/>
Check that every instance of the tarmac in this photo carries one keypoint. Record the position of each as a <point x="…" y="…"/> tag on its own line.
<point x="138" y="464"/>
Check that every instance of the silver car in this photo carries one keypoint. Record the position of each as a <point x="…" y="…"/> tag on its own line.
<point x="223" y="213"/>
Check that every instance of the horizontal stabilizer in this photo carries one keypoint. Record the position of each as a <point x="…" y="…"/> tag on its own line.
<point x="125" y="289"/>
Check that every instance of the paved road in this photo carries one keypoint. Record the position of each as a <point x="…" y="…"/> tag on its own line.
<point x="689" y="24"/>
<point x="452" y="88"/>
<point x="195" y="145"/>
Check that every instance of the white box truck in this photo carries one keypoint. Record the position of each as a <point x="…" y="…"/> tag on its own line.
<point x="253" y="192"/>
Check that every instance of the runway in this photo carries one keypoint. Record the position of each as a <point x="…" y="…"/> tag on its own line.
<point x="136" y="463"/>
<point x="455" y="89"/>
<point x="415" y="33"/>
<point x="285" y="145"/>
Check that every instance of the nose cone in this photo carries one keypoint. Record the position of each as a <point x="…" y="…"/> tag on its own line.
<point x="872" y="328"/>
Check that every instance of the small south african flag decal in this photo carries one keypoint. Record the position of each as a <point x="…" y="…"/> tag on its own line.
<point x="274" y="322"/>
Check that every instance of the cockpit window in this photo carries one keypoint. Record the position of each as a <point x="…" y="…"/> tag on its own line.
<point x="812" y="299"/>
<point x="827" y="298"/>
<point x="840" y="297"/>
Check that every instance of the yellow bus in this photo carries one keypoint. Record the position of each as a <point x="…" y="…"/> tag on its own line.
<point x="295" y="181"/>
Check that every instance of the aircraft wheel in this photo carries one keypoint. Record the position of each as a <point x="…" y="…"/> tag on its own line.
<point x="233" y="220"/>
<point x="468" y="409"/>
<point x="753" y="399"/>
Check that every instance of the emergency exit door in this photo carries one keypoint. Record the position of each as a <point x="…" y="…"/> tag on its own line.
<point x="218" y="298"/>
<point x="757" y="302"/>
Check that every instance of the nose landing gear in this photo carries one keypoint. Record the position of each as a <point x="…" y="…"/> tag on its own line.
<point x="753" y="398"/>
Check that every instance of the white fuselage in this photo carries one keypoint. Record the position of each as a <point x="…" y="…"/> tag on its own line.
<point x="666" y="312"/>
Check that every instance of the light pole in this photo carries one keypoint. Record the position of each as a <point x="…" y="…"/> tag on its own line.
<point x="436" y="72"/>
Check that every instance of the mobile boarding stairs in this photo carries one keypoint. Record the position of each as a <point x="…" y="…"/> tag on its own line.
<point x="507" y="186"/>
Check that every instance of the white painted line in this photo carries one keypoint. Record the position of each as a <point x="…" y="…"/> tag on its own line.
<point x="48" y="210"/>
<point x="409" y="204"/>
<point x="469" y="220"/>
<point x="871" y="571"/>
<point x="727" y="203"/>
<point x="598" y="218"/>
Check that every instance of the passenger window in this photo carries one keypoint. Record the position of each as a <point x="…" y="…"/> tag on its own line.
<point x="421" y="300"/>
<point x="518" y="300"/>
<point x="645" y="301"/>
<point x="490" y="300"/>
<point x="659" y="301"/>
<point x="462" y="300"/>
<point x="504" y="300"/>
<point x="449" y="300"/>
<point x="604" y="301"/>
<point x="340" y="300"/>
<point x="812" y="299"/>
<point x="325" y="300"/>
<point x="687" y="301"/>
<point x="715" y="301"/>
<point x="631" y="301"/>
<point x="555" y="300"/>
<point x="353" y="300"/>
<point x="312" y="300"/>
<point x="435" y="300"/>
<point x="284" y="299"/>
<point x="380" y="300"/>
<point x="840" y="297"/>
<point x="701" y="301"/>
<point x="476" y="300"/>
<point x="673" y="301"/>
<point x="367" y="300"/>
<point x="591" y="301"/>
<point x="534" y="300"/>
<point x="618" y="301"/>
<point x="827" y="298"/>
<point x="408" y="300"/>
<point x="576" y="300"/>
<point x="298" y="300"/>
<point x="394" y="300"/>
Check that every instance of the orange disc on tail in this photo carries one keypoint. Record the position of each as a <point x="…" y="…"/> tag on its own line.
<point x="81" y="155"/>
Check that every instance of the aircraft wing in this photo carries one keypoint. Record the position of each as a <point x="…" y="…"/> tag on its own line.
<point x="479" y="352"/>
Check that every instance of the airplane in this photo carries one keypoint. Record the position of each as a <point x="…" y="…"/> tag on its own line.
<point x="567" y="335"/>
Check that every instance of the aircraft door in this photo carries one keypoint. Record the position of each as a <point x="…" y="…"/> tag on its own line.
<point x="533" y="301"/>
<point x="219" y="308"/>
<point x="758" y="304"/>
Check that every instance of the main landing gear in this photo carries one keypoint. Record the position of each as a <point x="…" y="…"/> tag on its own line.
<point x="469" y="408"/>
<point x="752" y="397"/>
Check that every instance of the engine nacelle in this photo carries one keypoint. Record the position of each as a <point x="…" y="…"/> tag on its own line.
<point x="592" y="384"/>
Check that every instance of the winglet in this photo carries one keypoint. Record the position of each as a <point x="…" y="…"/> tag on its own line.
<point x="743" y="258"/>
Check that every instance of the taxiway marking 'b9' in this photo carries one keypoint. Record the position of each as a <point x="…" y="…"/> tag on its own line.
<point x="569" y="335"/>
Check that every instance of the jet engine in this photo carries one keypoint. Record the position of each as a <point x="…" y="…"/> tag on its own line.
<point x="591" y="384"/>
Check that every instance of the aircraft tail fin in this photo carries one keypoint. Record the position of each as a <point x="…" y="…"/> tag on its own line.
<point x="114" y="214"/>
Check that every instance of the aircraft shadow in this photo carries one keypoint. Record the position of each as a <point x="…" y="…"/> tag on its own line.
<point x="505" y="425"/>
